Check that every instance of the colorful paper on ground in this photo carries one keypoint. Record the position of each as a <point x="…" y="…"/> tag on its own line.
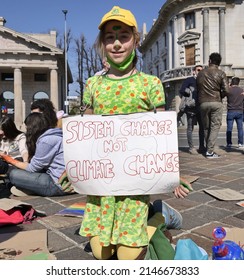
<point x="77" y="210"/>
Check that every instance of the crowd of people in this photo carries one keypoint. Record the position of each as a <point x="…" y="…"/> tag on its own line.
<point x="42" y="170"/>
<point x="34" y="160"/>
<point x="207" y="88"/>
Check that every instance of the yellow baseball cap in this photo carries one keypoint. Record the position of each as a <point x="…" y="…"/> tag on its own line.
<point x="119" y="14"/>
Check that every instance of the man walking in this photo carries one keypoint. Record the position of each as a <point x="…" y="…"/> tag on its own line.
<point x="189" y="102"/>
<point x="212" y="86"/>
<point x="235" y="112"/>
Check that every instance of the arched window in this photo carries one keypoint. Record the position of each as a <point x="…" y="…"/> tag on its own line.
<point x="40" y="95"/>
<point x="8" y="95"/>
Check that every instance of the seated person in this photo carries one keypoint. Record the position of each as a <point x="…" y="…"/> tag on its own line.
<point x="44" y="174"/>
<point x="12" y="142"/>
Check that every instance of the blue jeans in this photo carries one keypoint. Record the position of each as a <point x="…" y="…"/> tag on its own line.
<point x="238" y="118"/>
<point x="38" y="183"/>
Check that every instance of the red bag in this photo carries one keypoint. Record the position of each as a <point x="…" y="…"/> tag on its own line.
<point x="16" y="215"/>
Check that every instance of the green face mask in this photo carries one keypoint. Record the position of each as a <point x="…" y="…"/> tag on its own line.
<point x="123" y="65"/>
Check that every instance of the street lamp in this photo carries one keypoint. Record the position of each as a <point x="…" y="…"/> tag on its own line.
<point x="66" y="102"/>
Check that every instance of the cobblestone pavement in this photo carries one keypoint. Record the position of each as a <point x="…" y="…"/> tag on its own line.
<point x="201" y="212"/>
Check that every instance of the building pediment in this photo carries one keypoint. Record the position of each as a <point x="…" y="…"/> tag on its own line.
<point x="15" y="42"/>
<point x="188" y="36"/>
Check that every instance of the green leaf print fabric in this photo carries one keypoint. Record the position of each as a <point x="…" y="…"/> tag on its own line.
<point x="121" y="219"/>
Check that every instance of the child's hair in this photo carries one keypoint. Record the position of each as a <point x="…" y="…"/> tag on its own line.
<point x="36" y="124"/>
<point x="9" y="128"/>
<point x="99" y="46"/>
<point x="46" y="106"/>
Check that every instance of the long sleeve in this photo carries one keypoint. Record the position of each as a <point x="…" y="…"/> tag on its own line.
<point x="224" y="86"/>
<point x="23" y="148"/>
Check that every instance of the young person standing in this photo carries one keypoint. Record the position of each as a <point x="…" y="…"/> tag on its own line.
<point x="119" y="223"/>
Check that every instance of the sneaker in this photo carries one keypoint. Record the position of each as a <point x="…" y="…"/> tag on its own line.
<point x="228" y="146"/>
<point x="18" y="192"/>
<point x="240" y="146"/>
<point x="173" y="218"/>
<point x="193" y="151"/>
<point x="213" y="155"/>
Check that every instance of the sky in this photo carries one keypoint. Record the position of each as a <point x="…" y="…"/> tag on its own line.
<point x="83" y="16"/>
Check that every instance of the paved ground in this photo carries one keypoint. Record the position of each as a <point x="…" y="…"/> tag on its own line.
<point x="201" y="212"/>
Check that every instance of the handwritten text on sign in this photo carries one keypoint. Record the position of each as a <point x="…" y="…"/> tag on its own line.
<point x="122" y="155"/>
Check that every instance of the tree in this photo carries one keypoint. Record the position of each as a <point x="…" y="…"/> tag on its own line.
<point x="61" y="39"/>
<point x="88" y="62"/>
<point x="79" y="48"/>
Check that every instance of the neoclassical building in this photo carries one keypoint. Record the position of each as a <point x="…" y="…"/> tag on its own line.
<point x="31" y="67"/>
<point x="185" y="33"/>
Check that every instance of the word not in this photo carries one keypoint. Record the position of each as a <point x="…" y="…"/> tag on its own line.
<point x="118" y="145"/>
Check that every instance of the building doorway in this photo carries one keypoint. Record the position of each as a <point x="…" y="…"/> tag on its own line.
<point x="190" y="55"/>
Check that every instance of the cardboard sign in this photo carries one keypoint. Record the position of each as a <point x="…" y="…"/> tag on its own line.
<point x="236" y="235"/>
<point x="122" y="154"/>
<point x="225" y="194"/>
<point x="25" y="245"/>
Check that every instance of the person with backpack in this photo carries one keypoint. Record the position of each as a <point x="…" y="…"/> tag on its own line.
<point x="189" y="105"/>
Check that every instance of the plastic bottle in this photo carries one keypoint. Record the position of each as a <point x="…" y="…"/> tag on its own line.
<point x="225" y="250"/>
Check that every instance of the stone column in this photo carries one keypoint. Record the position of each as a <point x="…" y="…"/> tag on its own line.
<point x="205" y="35"/>
<point x="54" y="88"/>
<point x="222" y="34"/>
<point x="18" y="109"/>
<point x="175" y="44"/>
<point x="170" y="54"/>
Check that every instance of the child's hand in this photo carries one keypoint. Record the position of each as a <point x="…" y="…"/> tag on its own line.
<point x="183" y="189"/>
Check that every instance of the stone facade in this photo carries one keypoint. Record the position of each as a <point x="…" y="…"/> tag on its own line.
<point x="185" y="33"/>
<point x="31" y="66"/>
